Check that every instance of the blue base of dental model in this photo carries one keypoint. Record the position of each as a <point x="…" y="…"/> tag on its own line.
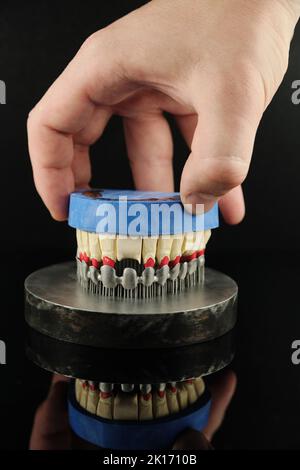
<point x="156" y="434"/>
<point x="136" y="213"/>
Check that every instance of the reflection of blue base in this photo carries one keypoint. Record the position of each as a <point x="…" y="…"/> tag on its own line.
<point x="157" y="434"/>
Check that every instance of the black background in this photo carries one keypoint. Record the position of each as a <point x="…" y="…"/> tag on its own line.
<point x="37" y="39"/>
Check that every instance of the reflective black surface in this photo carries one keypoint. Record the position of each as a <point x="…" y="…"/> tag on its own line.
<point x="262" y="254"/>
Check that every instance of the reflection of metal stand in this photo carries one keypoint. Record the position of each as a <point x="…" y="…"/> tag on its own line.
<point x="130" y="341"/>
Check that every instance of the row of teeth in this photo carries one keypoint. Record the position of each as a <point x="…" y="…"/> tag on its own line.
<point x="96" y="249"/>
<point x="137" y="403"/>
<point x="105" y="278"/>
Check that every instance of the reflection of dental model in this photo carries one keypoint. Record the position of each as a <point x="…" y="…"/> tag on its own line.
<point x="118" y="263"/>
<point x="137" y="403"/>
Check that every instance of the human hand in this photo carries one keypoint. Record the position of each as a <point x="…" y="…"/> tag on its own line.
<point x="214" y="66"/>
<point x="51" y="429"/>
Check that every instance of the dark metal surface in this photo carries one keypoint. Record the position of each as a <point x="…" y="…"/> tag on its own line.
<point x="130" y="366"/>
<point x="56" y="305"/>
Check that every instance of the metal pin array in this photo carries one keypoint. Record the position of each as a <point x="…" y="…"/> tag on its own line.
<point x="137" y="284"/>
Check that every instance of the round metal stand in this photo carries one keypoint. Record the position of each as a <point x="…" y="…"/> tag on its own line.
<point x="57" y="306"/>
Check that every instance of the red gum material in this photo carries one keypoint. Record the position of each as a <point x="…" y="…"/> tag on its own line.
<point x="191" y="257"/>
<point x="86" y="258"/>
<point x="149" y="263"/>
<point x="200" y="253"/>
<point x="108" y="261"/>
<point x="174" y="262"/>
<point x="146" y="397"/>
<point x="95" y="263"/>
<point x="173" y="389"/>
<point x="188" y="258"/>
<point x="105" y="395"/>
<point x="190" y="381"/>
<point x="164" y="262"/>
<point x="92" y="388"/>
<point x="161" y="393"/>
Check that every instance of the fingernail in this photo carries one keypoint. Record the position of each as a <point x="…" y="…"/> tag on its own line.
<point x="198" y="203"/>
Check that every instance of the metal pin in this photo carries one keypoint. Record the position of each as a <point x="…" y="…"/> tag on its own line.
<point x="106" y="387"/>
<point x="145" y="388"/>
<point x="127" y="387"/>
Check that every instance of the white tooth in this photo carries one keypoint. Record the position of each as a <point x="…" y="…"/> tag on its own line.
<point x="200" y="386"/>
<point x="78" y="389"/>
<point x="149" y="248"/>
<point x="84" y="395"/>
<point x="79" y="241"/>
<point x="164" y="246"/>
<point x="92" y="399"/>
<point x="145" y="407"/>
<point x="192" y="393"/>
<point x="172" y="400"/>
<point x="160" y="405"/>
<point x="94" y="245"/>
<point x="85" y="243"/>
<point x="182" y="396"/>
<point x="126" y="406"/>
<point x="108" y="246"/>
<point x="105" y="406"/>
<point x="207" y="234"/>
<point x="129" y="248"/>
<point x="193" y="241"/>
<point x="176" y="249"/>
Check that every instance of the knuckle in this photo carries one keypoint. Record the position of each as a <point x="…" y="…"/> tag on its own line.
<point x="227" y="172"/>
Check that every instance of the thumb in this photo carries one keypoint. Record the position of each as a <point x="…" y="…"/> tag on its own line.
<point x="221" y="149"/>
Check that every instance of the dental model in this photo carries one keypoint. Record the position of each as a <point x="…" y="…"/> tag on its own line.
<point x="132" y="403"/>
<point x="138" y="244"/>
<point x="132" y="416"/>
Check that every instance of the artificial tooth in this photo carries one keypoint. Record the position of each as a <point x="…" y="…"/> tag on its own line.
<point x="126" y="406"/>
<point x="163" y="250"/>
<point x="105" y="405"/>
<point x="95" y="249"/>
<point x="93" y="398"/>
<point x="145" y="406"/>
<point x="108" y="249"/>
<point x="191" y="390"/>
<point x="79" y="242"/>
<point x="78" y="389"/>
<point x="160" y="405"/>
<point x="149" y="251"/>
<point x="176" y="249"/>
<point x="199" y="385"/>
<point x="85" y="246"/>
<point x="129" y="248"/>
<point x="192" y="242"/>
<point x="172" y="399"/>
<point x="182" y="396"/>
<point x="84" y="394"/>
